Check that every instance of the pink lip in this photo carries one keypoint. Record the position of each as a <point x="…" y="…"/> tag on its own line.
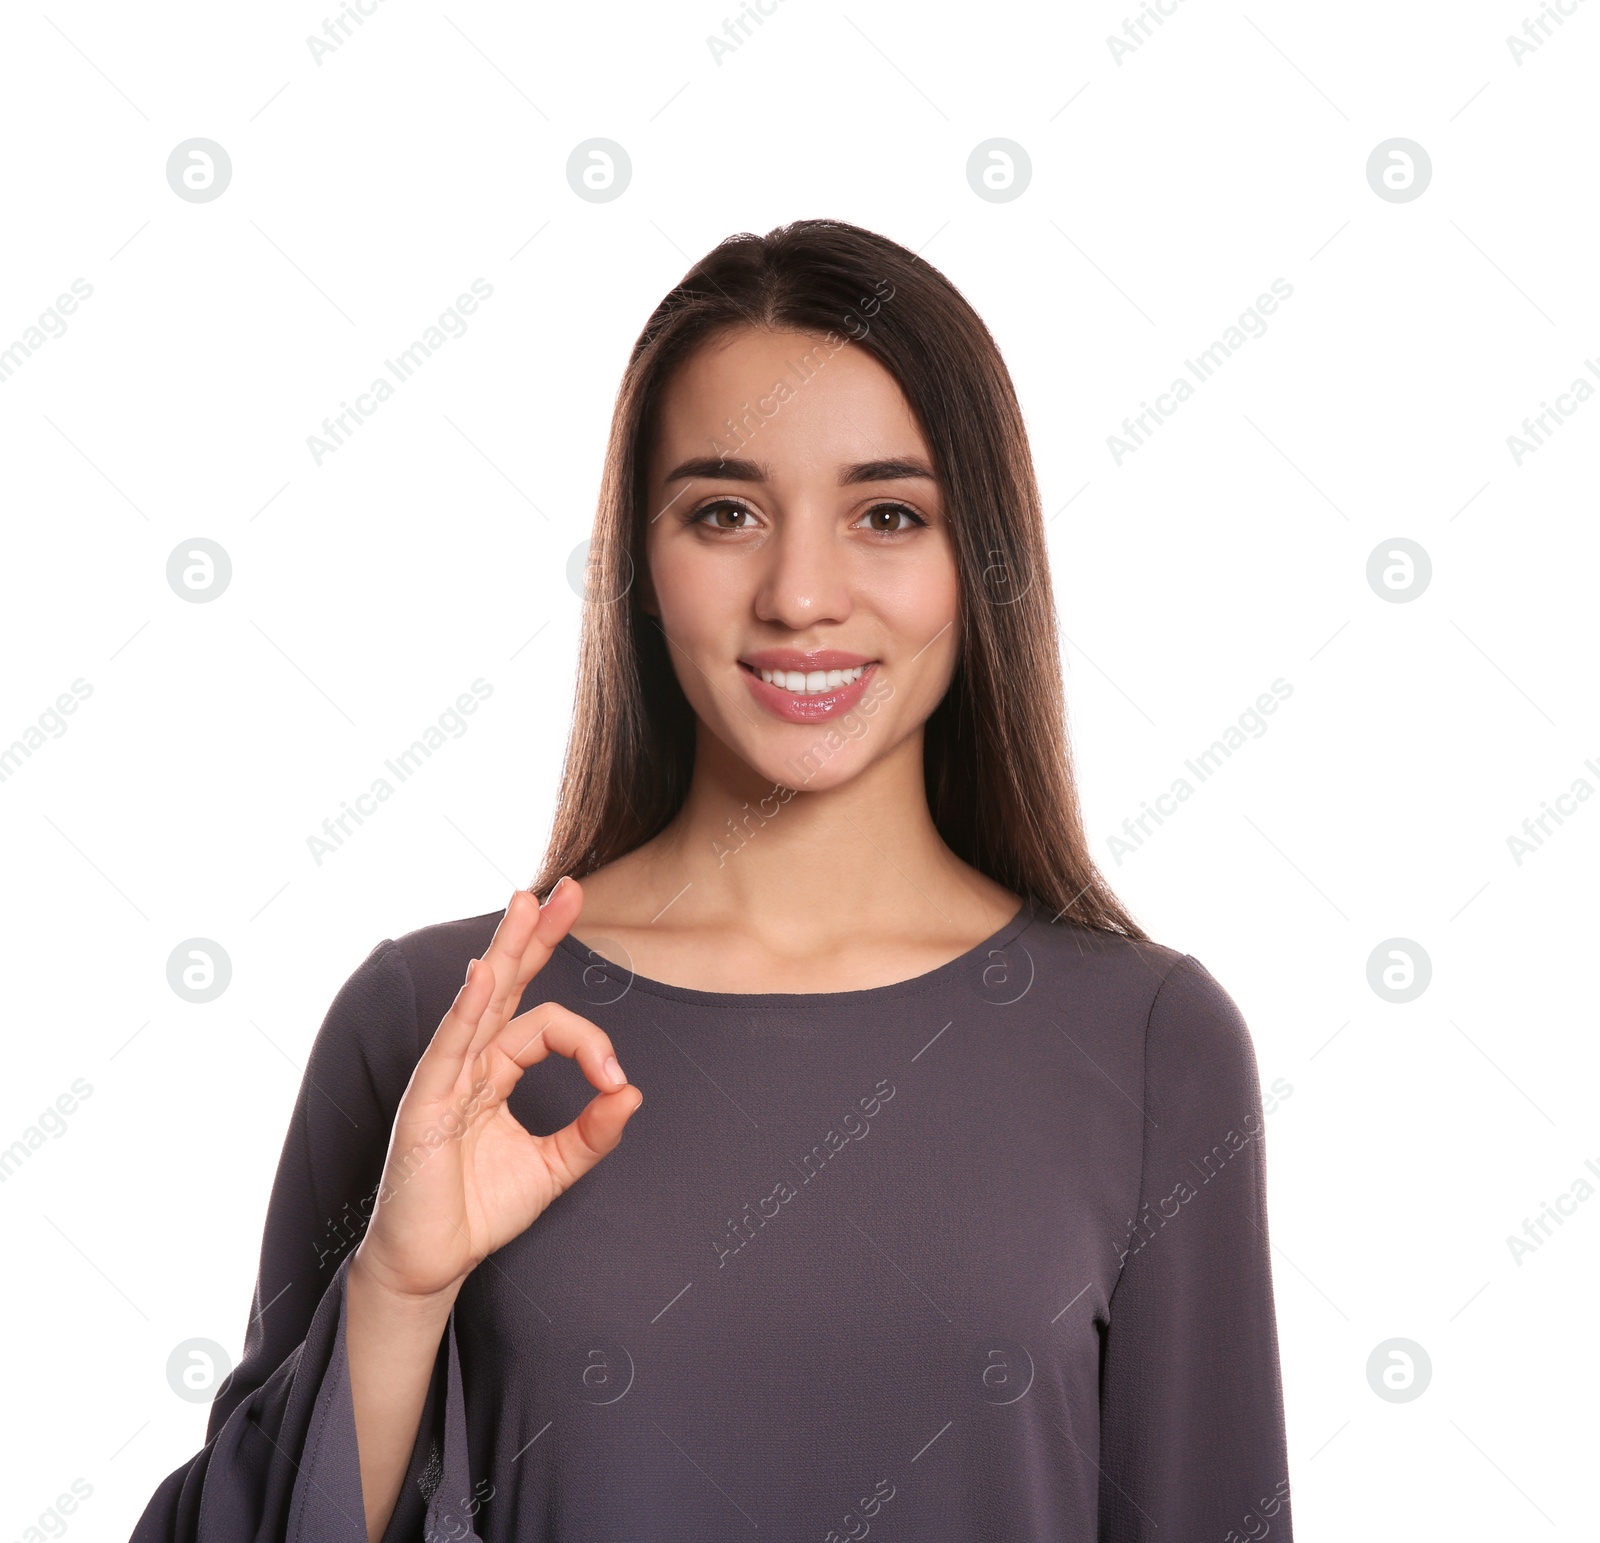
<point x="795" y="659"/>
<point x="806" y="707"/>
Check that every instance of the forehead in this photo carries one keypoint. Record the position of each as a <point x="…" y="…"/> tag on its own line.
<point x="796" y="401"/>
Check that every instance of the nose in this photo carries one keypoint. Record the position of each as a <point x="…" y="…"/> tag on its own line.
<point x="806" y="578"/>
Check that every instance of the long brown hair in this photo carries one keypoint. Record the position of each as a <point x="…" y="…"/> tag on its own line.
<point x="996" y="760"/>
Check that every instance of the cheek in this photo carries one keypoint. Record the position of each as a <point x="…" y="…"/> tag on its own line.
<point x="923" y="612"/>
<point x="697" y="599"/>
<point x="679" y="586"/>
<point x="920" y="599"/>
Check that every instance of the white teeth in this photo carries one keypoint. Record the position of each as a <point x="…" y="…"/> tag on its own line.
<point x="815" y="681"/>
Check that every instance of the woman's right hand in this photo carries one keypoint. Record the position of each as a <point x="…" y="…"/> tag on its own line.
<point x="462" y="1176"/>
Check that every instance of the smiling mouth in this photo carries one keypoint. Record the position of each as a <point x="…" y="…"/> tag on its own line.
<point x="814" y="695"/>
<point x="814" y="683"/>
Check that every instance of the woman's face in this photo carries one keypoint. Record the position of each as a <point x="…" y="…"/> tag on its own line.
<point x="798" y="556"/>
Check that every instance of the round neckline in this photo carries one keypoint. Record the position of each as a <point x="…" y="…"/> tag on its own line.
<point x="939" y="975"/>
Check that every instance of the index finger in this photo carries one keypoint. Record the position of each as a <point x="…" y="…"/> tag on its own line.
<point x="522" y="945"/>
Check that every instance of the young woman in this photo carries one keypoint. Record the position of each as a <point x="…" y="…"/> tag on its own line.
<point x="935" y="1204"/>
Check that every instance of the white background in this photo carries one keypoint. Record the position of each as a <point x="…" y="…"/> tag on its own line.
<point x="1168" y="191"/>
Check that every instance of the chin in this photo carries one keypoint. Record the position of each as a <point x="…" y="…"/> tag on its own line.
<point x="810" y="760"/>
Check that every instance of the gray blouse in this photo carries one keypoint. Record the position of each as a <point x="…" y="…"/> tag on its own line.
<point x="979" y="1255"/>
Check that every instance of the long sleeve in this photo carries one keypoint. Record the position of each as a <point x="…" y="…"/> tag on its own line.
<point x="280" y="1460"/>
<point x="1192" y="1430"/>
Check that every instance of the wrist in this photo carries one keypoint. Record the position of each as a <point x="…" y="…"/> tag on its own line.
<point x="371" y="1282"/>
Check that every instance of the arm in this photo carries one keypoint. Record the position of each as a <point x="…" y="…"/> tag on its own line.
<point x="277" y="1415"/>
<point x="392" y="1342"/>
<point x="1192" y="1430"/>
<point x="321" y="1448"/>
<point x="462" y="1178"/>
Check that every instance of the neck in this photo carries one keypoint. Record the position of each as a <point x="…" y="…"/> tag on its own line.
<point x="811" y="865"/>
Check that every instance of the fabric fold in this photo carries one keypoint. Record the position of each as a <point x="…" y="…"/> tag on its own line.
<point x="285" y="1466"/>
<point x="280" y="1463"/>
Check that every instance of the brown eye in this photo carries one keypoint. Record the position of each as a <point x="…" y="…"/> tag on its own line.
<point x="737" y="515"/>
<point x="884" y="519"/>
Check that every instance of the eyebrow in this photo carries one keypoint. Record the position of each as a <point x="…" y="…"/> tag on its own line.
<point x="734" y="469"/>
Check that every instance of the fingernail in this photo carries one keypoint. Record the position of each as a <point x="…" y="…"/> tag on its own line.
<point x="555" y="889"/>
<point x="472" y="964"/>
<point x="613" y="1071"/>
